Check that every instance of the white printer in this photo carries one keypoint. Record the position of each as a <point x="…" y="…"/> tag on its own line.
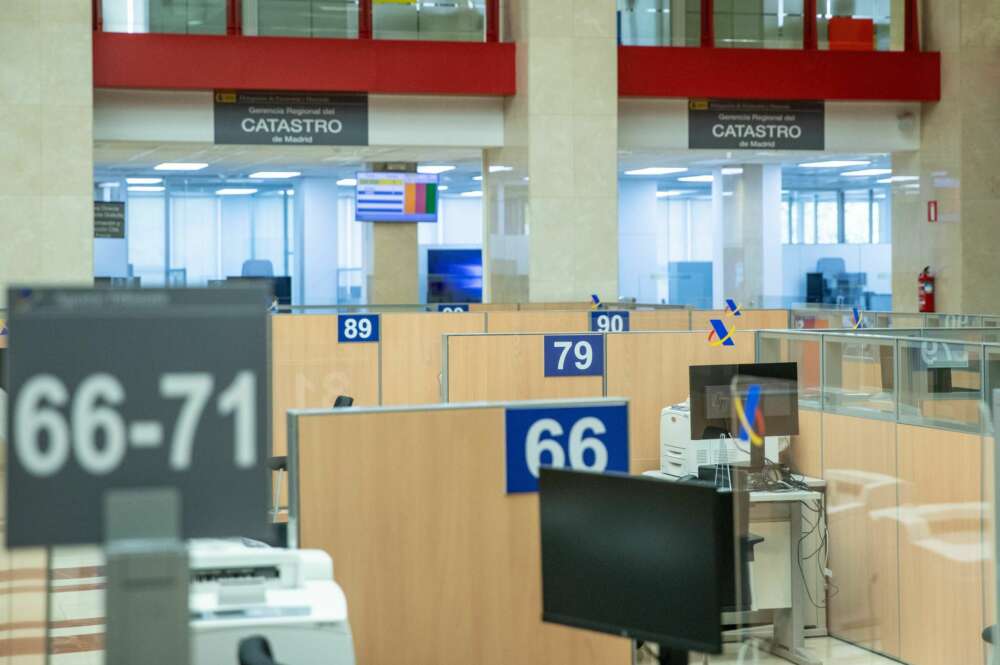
<point x="680" y="456"/>
<point x="288" y="597"/>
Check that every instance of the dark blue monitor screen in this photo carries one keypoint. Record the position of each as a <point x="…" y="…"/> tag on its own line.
<point x="454" y="275"/>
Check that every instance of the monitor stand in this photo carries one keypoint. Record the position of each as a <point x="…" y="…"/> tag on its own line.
<point x="670" y="656"/>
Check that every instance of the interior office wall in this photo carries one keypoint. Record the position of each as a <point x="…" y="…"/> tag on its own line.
<point x="873" y="259"/>
<point x="316" y="209"/>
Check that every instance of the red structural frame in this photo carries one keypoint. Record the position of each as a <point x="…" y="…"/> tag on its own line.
<point x="778" y="74"/>
<point x="206" y="62"/>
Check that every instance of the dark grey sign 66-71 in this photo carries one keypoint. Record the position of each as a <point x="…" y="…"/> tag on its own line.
<point x="138" y="388"/>
<point x="290" y="118"/>
<point x="755" y="125"/>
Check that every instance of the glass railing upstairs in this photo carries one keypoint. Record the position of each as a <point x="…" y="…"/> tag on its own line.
<point x="860" y="25"/>
<point x="436" y="20"/>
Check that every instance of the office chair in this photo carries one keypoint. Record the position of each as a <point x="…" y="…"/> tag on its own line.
<point x="257" y="268"/>
<point x="279" y="463"/>
<point x="256" y="650"/>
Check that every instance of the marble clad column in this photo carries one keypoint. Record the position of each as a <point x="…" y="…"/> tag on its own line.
<point x="46" y="143"/>
<point x="956" y="166"/>
<point x="552" y="212"/>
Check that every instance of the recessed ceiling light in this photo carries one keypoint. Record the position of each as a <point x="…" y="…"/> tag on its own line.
<point x="913" y="186"/>
<point x="267" y="175"/>
<point x="897" y="178"/>
<point x="834" y="164"/>
<point x="473" y="195"/>
<point x="347" y="182"/>
<point x="865" y="173"/>
<point x="235" y="191"/>
<point x="435" y="169"/>
<point x="669" y="194"/>
<point x="477" y="178"/>
<point x="146" y="188"/>
<point x="732" y="171"/>
<point x="442" y="188"/>
<point x="656" y="170"/>
<point x="180" y="166"/>
<point x="107" y="185"/>
<point x="500" y="169"/>
<point x="144" y="181"/>
<point x="696" y="178"/>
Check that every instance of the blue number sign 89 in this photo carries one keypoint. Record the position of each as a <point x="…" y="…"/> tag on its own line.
<point x="586" y="438"/>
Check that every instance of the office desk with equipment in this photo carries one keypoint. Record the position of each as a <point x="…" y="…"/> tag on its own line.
<point x="787" y="607"/>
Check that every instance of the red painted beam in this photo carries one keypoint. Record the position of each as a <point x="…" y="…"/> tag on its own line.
<point x="652" y="71"/>
<point x="202" y="62"/>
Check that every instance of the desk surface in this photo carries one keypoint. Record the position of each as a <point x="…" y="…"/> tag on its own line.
<point x="768" y="496"/>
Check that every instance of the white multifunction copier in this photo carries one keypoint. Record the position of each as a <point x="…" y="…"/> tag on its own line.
<point x="286" y="596"/>
<point x="680" y="456"/>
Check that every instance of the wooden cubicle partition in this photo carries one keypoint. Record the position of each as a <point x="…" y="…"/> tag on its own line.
<point x="439" y="566"/>
<point x="805" y="454"/>
<point x="651" y="370"/>
<point x="860" y="467"/>
<point x="941" y="550"/>
<point x="507" y="367"/>
<point x="659" y="319"/>
<point x="538" y="322"/>
<point x="493" y="307"/>
<point x="411" y="353"/>
<point x="310" y="368"/>
<point x="560" y="306"/>
<point x="751" y="319"/>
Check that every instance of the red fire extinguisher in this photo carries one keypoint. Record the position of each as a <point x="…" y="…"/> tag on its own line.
<point x="925" y="290"/>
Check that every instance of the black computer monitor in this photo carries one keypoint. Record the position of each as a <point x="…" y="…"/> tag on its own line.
<point x="714" y="414"/>
<point x="281" y="287"/>
<point x="713" y="387"/>
<point x="635" y="557"/>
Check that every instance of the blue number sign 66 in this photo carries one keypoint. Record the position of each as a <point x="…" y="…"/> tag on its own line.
<point x="593" y="438"/>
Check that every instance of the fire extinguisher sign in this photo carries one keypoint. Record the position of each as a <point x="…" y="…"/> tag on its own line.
<point x="932" y="211"/>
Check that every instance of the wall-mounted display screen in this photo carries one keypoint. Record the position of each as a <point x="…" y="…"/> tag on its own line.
<point x="396" y="197"/>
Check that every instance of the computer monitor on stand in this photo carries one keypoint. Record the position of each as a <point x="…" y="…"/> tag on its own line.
<point x="746" y="403"/>
<point x="636" y="557"/>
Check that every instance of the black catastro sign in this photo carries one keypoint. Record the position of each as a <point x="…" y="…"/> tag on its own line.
<point x="755" y="125"/>
<point x="290" y="118"/>
<point x="109" y="219"/>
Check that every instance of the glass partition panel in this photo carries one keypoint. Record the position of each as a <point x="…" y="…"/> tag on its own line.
<point x="859" y="376"/>
<point x="301" y="18"/>
<point x="991" y="321"/>
<point x="759" y="23"/>
<point x="804" y="350"/>
<point x="655" y="23"/>
<point x="940" y="383"/>
<point x="450" y="20"/>
<point x="195" y="17"/>
<point x="953" y="321"/>
<point x="906" y="320"/>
